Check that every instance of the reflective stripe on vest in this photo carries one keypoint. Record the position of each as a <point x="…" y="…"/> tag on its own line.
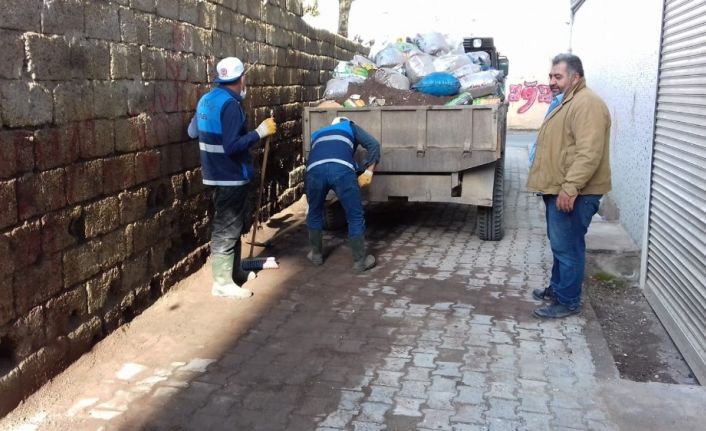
<point x="333" y="144"/>
<point x="333" y="138"/>
<point x="211" y="148"/>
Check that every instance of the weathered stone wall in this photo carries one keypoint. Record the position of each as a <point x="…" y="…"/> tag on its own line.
<point x="101" y="203"/>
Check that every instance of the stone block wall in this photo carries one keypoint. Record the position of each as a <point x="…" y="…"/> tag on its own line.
<point x="101" y="203"/>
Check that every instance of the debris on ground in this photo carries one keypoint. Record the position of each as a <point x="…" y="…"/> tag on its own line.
<point x="641" y="348"/>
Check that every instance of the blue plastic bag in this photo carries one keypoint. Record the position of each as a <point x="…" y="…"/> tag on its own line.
<point x="438" y="84"/>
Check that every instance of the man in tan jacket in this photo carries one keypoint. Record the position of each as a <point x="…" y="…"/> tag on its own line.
<point x="571" y="170"/>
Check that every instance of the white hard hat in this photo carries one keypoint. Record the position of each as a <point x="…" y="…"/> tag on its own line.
<point x="339" y="119"/>
<point x="228" y="70"/>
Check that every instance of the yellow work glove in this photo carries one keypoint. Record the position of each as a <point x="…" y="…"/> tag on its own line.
<point x="365" y="178"/>
<point x="267" y="128"/>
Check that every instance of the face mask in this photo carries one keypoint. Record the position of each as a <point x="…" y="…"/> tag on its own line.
<point x="243" y="92"/>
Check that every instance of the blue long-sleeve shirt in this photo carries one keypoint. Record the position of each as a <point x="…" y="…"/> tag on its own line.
<point x="236" y="138"/>
<point x="367" y="141"/>
<point x="556" y="101"/>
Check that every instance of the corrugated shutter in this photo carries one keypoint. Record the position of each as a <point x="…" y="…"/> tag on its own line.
<point x="675" y="269"/>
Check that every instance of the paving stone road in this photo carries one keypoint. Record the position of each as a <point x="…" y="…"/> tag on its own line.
<point x="440" y="336"/>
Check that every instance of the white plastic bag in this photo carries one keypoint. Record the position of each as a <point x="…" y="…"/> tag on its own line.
<point x="450" y="63"/>
<point x="479" y="57"/>
<point x="456" y="48"/>
<point x="488" y="78"/>
<point x="336" y="88"/>
<point x="392" y="78"/>
<point x="432" y="43"/>
<point x="406" y="47"/>
<point x="359" y="60"/>
<point x="348" y="70"/>
<point x="418" y="66"/>
<point x="467" y="70"/>
<point x="342" y="70"/>
<point x="389" y="57"/>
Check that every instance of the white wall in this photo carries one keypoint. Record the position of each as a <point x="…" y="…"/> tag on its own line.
<point x="618" y="42"/>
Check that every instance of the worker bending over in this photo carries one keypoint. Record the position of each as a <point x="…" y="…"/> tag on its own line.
<point x="332" y="166"/>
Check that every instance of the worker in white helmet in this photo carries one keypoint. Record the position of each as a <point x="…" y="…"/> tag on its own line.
<point x="331" y="166"/>
<point x="221" y="126"/>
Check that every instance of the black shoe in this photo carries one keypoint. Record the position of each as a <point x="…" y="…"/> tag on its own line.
<point x="555" y="311"/>
<point x="543" y="294"/>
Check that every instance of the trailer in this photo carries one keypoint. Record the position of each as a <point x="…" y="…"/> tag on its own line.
<point x="431" y="154"/>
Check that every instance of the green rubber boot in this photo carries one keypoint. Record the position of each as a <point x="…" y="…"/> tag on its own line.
<point x="315" y="255"/>
<point x="223" y="285"/>
<point x="361" y="260"/>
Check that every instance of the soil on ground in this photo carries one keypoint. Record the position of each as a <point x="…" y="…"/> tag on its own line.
<point x="393" y="97"/>
<point x="641" y="348"/>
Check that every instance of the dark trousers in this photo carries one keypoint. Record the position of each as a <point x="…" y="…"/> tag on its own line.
<point x="231" y="209"/>
<point x="342" y="180"/>
<point x="566" y="232"/>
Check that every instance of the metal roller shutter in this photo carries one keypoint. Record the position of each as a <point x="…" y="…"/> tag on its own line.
<point x="675" y="266"/>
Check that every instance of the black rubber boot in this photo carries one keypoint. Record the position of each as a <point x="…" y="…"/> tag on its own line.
<point x="361" y="260"/>
<point x="315" y="255"/>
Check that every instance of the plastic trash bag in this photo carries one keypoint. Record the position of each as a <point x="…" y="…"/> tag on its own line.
<point x="348" y="70"/>
<point x="418" y="66"/>
<point x="487" y="78"/>
<point x="390" y="56"/>
<point x="462" y="99"/>
<point x="482" y="83"/>
<point x="450" y="63"/>
<point x="438" y="84"/>
<point x="365" y="63"/>
<point x="479" y="57"/>
<point x="456" y="48"/>
<point x="406" y="47"/>
<point x="467" y="70"/>
<point x="336" y="88"/>
<point x="392" y="78"/>
<point x="342" y="69"/>
<point x="432" y="43"/>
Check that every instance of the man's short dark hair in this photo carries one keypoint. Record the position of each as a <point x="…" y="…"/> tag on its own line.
<point x="573" y="63"/>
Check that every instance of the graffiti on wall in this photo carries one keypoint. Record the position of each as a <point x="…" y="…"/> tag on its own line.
<point x="531" y="93"/>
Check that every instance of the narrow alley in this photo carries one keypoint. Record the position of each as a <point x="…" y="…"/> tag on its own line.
<point x="439" y="336"/>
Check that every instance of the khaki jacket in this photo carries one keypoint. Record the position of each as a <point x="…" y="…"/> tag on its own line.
<point x="572" y="147"/>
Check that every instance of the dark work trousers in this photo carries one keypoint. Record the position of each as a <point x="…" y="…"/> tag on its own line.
<point x="231" y="205"/>
<point x="342" y="180"/>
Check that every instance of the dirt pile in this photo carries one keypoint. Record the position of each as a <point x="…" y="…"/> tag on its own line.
<point x="393" y="97"/>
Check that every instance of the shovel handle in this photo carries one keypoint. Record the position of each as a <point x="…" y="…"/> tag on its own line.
<point x="259" y="195"/>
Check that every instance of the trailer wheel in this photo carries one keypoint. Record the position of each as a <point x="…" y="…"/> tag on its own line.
<point x="491" y="223"/>
<point x="334" y="216"/>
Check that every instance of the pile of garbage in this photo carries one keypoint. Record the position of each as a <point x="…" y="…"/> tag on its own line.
<point x="424" y="70"/>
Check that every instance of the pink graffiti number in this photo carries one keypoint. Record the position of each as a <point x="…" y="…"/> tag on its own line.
<point x="515" y="93"/>
<point x="530" y="92"/>
<point x="545" y="94"/>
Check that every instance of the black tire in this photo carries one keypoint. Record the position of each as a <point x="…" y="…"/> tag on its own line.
<point x="334" y="216"/>
<point x="491" y="223"/>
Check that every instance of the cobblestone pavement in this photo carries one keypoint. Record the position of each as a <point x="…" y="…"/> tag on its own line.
<point x="439" y="336"/>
